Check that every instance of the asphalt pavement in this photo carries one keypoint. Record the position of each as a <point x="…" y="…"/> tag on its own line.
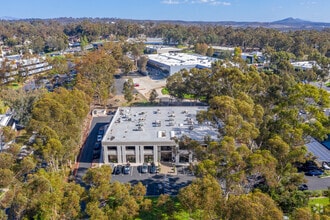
<point x="85" y="157"/>
<point x="316" y="183"/>
<point x="155" y="184"/>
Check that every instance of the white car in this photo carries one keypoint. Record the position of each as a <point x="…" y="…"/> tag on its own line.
<point x="99" y="137"/>
<point x="326" y="165"/>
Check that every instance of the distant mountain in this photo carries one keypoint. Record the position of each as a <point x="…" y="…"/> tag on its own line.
<point x="291" y="21"/>
<point x="8" y="18"/>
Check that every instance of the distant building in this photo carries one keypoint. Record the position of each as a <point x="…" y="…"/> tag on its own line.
<point x="150" y="134"/>
<point x="171" y="63"/>
<point x="157" y="49"/>
<point x="25" y="67"/>
<point x="305" y="65"/>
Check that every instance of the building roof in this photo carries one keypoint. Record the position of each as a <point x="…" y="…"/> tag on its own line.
<point x="5" y="120"/>
<point x="157" y="124"/>
<point x="304" y="65"/>
<point x="183" y="59"/>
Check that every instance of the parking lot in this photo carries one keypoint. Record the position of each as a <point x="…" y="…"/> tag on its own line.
<point x="156" y="184"/>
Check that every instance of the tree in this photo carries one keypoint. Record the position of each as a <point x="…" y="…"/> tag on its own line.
<point x="202" y="195"/>
<point x="252" y="206"/>
<point x="201" y="48"/>
<point x="98" y="67"/>
<point x="153" y="96"/>
<point x="127" y="65"/>
<point x="83" y="42"/>
<point x="128" y="89"/>
<point x="210" y="52"/>
<point x="142" y="63"/>
<point x="6" y="177"/>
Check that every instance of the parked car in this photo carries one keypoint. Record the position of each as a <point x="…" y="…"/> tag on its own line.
<point x="314" y="172"/>
<point x="153" y="168"/>
<point x="118" y="169"/>
<point x="99" y="137"/>
<point x="303" y="187"/>
<point x="126" y="169"/>
<point x="326" y="165"/>
<point x="97" y="146"/>
<point x="101" y="132"/>
<point x="96" y="154"/>
<point x="144" y="168"/>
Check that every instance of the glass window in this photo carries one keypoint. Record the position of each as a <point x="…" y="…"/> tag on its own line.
<point x="184" y="158"/>
<point x="130" y="159"/>
<point x="112" y="158"/>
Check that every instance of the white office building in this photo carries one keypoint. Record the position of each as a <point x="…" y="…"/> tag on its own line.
<point x="150" y="134"/>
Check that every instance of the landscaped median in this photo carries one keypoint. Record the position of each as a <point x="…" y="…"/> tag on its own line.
<point x="326" y="174"/>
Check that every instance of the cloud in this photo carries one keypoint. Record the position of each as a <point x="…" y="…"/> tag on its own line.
<point x="209" y="2"/>
<point x="170" y="2"/>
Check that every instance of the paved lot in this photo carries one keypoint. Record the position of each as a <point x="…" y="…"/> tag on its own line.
<point x="86" y="156"/>
<point x="315" y="183"/>
<point x="156" y="184"/>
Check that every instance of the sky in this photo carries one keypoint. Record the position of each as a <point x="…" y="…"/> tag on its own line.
<point x="186" y="10"/>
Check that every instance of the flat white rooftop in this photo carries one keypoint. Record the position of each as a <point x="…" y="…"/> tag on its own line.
<point x="182" y="59"/>
<point x="157" y="124"/>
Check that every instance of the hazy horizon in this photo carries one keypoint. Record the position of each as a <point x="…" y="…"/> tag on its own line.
<point x="183" y="10"/>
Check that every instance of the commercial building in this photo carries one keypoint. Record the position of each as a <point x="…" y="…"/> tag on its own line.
<point x="150" y="134"/>
<point x="157" y="49"/>
<point x="16" y="65"/>
<point x="171" y="63"/>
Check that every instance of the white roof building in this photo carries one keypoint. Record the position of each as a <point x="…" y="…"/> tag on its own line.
<point x="145" y="134"/>
<point x="174" y="62"/>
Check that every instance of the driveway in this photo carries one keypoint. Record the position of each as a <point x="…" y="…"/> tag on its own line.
<point x="85" y="158"/>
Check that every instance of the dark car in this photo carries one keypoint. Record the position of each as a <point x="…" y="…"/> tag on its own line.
<point x="126" y="169"/>
<point x="153" y="168"/>
<point x="97" y="146"/>
<point x="118" y="169"/>
<point x="303" y="187"/>
<point x="101" y="131"/>
<point x="144" y="168"/>
<point x="314" y="173"/>
<point x="96" y="154"/>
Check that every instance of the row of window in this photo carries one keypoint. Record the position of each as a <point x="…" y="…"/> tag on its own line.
<point x="146" y="148"/>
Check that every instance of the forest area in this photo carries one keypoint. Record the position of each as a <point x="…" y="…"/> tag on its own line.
<point x="264" y="134"/>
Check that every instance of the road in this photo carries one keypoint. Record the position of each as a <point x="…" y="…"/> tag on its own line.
<point x="86" y="156"/>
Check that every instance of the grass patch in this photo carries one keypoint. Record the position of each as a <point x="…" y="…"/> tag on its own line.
<point x="321" y="201"/>
<point x="185" y="96"/>
<point x="327" y="84"/>
<point x="165" y="91"/>
<point x="14" y="85"/>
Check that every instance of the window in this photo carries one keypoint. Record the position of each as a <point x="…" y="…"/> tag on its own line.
<point x="148" y="147"/>
<point x="166" y="148"/>
<point x="184" y="158"/>
<point x="130" y="159"/>
<point x="148" y="158"/>
<point x="110" y="148"/>
<point x="130" y="148"/>
<point x="112" y="158"/>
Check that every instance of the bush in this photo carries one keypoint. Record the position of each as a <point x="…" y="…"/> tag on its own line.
<point x="317" y="193"/>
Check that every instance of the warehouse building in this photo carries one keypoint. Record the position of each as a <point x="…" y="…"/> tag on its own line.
<point x="150" y="134"/>
<point x="171" y="63"/>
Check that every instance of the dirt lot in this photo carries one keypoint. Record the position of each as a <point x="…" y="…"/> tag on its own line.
<point x="143" y="88"/>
